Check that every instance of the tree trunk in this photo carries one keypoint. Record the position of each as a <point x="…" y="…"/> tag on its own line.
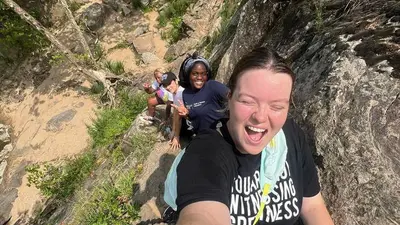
<point x="109" y="81"/>
<point x="75" y="25"/>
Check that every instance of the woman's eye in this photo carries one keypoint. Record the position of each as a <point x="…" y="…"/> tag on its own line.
<point x="246" y="102"/>
<point x="277" y="108"/>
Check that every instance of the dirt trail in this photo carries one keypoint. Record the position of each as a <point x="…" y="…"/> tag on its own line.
<point x="47" y="127"/>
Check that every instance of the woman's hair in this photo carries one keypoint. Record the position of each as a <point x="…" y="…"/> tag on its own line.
<point x="158" y="70"/>
<point x="187" y="66"/>
<point x="259" y="58"/>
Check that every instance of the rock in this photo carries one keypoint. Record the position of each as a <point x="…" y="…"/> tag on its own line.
<point x="4" y="153"/>
<point x="4" y="136"/>
<point x="94" y="16"/>
<point x="140" y="30"/>
<point x="119" y="19"/>
<point x="143" y="44"/>
<point x="180" y="48"/>
<point x="145" y="2"/>
<point x="55" y="123"/>
<point x="112" y="3"/>
<point x="3" y="165"/>
<point x="150" y="58"/>
<point x="125" y="10"/>
<point x="346" y="93"/>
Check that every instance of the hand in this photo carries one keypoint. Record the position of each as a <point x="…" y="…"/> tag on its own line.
<point x="175" y="143"/>
<point x="182" y="110"/>
<point x="146" y="86"/>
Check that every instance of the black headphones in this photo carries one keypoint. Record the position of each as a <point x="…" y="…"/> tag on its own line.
<point x="184" y="80"/>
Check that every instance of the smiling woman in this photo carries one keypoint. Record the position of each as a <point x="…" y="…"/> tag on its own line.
<point x="202" y="102"/>
<point x="259" y="168"/>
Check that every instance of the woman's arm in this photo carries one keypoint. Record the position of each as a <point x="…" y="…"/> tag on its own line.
<point x="176" y="129"/>
<point x="314" y="212"/>
<point x="204" y="213"/>
<point x="148" y="88"/>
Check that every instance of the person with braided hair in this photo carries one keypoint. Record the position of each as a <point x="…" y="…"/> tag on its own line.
<point x="203" y="99"/>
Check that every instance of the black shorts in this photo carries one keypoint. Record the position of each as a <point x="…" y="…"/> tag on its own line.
<point x="159" y="100"/>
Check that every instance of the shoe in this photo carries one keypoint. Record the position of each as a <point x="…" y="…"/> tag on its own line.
<point x="147" y="120"/>
<point x="170" y="215"/>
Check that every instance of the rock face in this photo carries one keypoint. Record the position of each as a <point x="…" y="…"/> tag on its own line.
<point x="5" y="148"/>
<point x="94" y="16"/>
<point x="347" y="94"/>
<point x="4" y="136"/>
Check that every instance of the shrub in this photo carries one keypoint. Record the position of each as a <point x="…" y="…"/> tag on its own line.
<point x="112" y="123"/>
<point x="109" y="203"/>
<point x="175" y="9"/>
<point x="17" y="35"/>
<point x="116" y="67"/>
<point x="142" y="145"/>
<point x="60" y="181"/>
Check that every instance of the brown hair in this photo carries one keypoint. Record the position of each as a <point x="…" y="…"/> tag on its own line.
<point x="259" y="58"/>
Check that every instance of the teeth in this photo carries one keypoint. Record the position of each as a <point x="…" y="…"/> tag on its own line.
<point x="199" y="82"/>
<point x="256" y="129"/>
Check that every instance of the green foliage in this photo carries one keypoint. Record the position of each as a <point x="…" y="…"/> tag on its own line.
<point x="175" y="9"/>
<point x="137" y="4"/>
<point x="74" y="6"/>
<point x="169" y="59"/>
<point x="112" y="123"/>
<point x="142" y="145"/>
<point x="117" y="155"/>
<point x="60" y="181"/>
<point x="18" y="36"/>
<point x="109" y="203"/>
<point x="85" y="58"/>
<point x="120" y="45"/>
<point x="319" y="20"/>
<point x="116" y="67"/>
<point x="98" y="52"/>
<point x="174" y="34"/>
<point x="57" y="58"/>
<point x="97" y="88"/>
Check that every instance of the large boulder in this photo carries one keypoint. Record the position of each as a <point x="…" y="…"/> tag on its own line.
<point x="94" y="16"/>
<point x="347" y="63"/>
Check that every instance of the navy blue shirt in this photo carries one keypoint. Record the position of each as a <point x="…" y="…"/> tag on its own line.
<point x="205" y="105"/>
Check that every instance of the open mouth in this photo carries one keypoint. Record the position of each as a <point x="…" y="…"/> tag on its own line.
<point x="255" y="134"/>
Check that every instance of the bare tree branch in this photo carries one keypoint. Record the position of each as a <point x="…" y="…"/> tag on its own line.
<point x="78" y="30"/>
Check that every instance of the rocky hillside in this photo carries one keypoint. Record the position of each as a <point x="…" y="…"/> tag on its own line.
<point x="346" y="55"/>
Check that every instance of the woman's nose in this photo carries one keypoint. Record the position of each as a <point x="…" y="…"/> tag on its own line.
<point x="260" y="115"/>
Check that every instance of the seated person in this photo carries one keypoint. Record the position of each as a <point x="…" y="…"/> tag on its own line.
<point x="160" y="97"/>
<point x="203" y="100"/>
<point x="179" y="125"/>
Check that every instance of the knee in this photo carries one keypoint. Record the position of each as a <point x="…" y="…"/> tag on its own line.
<point x="152" y="101"/>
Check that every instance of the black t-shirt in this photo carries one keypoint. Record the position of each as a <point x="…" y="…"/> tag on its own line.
<point x="213" y="170"/>
<point x="205" y="105"/>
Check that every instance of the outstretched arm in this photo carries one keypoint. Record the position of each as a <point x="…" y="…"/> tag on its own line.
<point x="148" y="88"/>
<point x="176" y="129"/>
<point x="204" y="213"/>
<point x="314" y="212"/>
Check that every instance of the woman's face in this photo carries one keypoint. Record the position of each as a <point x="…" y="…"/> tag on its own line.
<point x="172" y="87"/>
<point x="198" y="76"/>
<point x="258" y="108"/>
<point x="157" y="76"/>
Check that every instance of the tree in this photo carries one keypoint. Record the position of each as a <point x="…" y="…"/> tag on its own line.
<point x="78" y="30"/>
<point x="109" y="81"/>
